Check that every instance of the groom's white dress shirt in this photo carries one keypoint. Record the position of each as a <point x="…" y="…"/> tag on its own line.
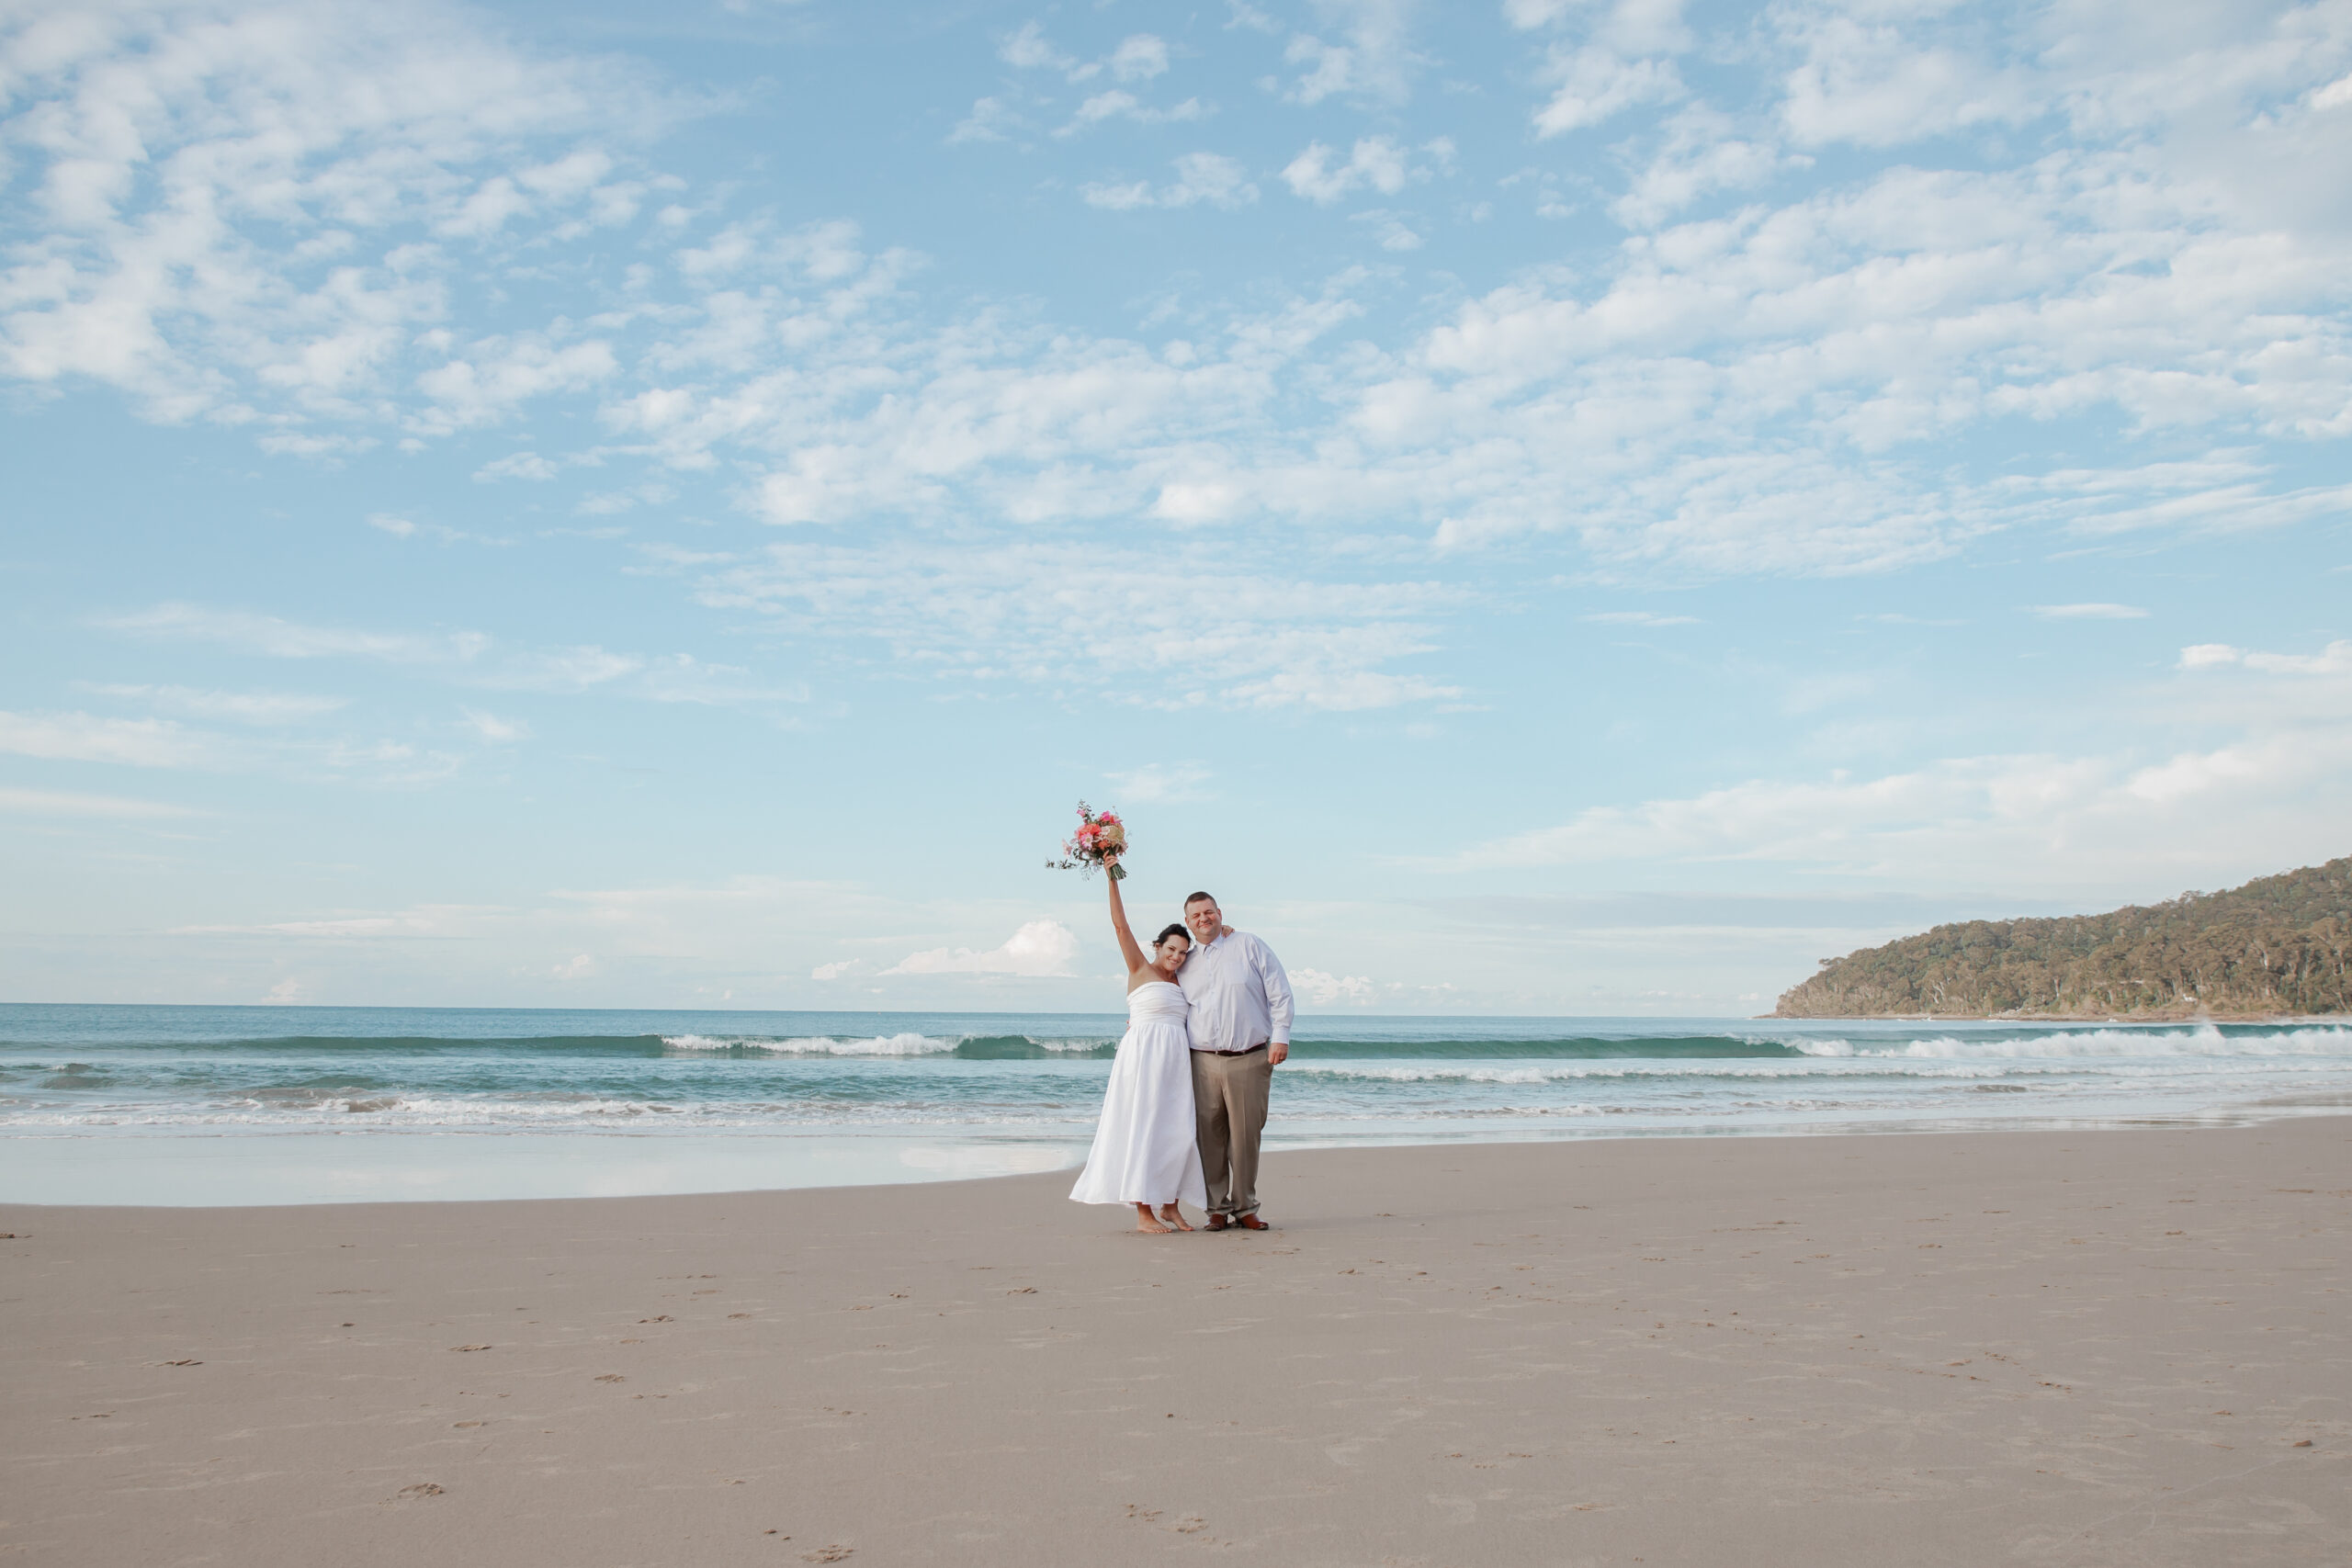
<point x="1240" y="997"/>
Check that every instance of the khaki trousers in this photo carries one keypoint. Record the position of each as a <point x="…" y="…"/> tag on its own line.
<point x="1229" y="1111"/>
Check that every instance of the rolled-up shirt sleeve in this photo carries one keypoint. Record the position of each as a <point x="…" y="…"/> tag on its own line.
<point x="1279" y="1008"/>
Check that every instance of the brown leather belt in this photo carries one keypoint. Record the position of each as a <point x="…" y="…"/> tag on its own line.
<point x="1252" y="1052"/>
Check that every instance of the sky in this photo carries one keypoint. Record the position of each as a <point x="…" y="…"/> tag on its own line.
<point x="1542" y="507"/>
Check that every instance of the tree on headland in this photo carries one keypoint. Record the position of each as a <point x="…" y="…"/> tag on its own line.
<point x="2278" y="946"/>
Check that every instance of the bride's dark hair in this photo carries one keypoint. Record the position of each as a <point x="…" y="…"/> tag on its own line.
<point x="1176" y="929"/>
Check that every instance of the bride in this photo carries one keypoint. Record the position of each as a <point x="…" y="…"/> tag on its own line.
<point x="1145" y="1152"/>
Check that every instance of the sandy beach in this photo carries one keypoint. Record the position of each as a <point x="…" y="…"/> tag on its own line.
<point x="2040" y="1348"/>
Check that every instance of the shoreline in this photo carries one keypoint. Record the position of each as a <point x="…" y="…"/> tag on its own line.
<point x="2256" y="1017"/>
<point x="2043" y="1347"/>
<point x="247" y="1168"/>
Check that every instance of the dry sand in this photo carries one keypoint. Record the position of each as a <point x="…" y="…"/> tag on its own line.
<point x="2038" y="1348"/>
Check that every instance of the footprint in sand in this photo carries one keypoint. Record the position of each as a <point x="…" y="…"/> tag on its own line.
<point x="1190" y="1524"/>
<point x="423" y="1489"/>
<point x="830" y="1554"/>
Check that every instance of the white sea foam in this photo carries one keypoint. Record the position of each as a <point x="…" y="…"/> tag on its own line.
<point x="2201" y="1040"/>
<point x="815" y="1045"/>
<point x="437" y="1113"/>
<point x="1698" y="1070"/>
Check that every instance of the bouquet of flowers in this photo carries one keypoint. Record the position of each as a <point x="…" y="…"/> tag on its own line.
<point x="1100" y="837"/>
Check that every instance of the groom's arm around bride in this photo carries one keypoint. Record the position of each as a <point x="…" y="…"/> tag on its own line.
<point x="1240" y="1021"/>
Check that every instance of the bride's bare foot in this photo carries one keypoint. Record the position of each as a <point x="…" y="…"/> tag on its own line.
<point x="1174" y="1216"/>
<point x="1146" y="1223"/>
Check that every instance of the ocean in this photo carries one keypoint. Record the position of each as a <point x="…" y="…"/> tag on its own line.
<point x="275" y="1104"/>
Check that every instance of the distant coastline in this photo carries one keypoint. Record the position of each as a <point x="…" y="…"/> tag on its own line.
<point x="2278" y="950"/>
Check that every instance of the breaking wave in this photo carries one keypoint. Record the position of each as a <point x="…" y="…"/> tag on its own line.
<point x="85" y="1071"/>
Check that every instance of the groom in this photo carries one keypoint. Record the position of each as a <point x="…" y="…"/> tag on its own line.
<point x="1240" y="1023"/>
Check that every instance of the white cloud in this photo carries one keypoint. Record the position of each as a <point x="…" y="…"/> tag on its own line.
<point x="1029" y="50"/>
<point x="288" y="639"/>
<point x="1375" y="162"/>
<point x="406" y="528"/>
<point x="568" y="669"/>
<point x="1119" y="197"/>
<point x="1206" y="500"/>
<point x="767" y="933"/>
<point x="1149" y="629"/>
<point x="1317" y="988"/>
<point x="1880" y="85"/>
<point x="516" y="466"/>
<point x="1396" y="234"/>
<point x="1202" y="178"/>
<point x="1162" y="784"/>
<point x="1038" y="949"/>
<point x="1542" y="408"/>
<point x="612" y="503"/>
<point x="2016" y="824"/>
<point x="243" y="707"/>
<point x="682" y="678"/>
<point x="1698" y="156"/>
<point x="1241" y="14"/>
<point x="467" y="658"/>
<point x="1626" y="58"/>
<point x="162" y="743"/>
<point x="424" y="921"/>
<point x="1755" y="391"/>
<point x="992" y="120"/>
<point x="110" y="807"/>
<point x="86" y="737"/>
<point x="1118" y="103"/>
<point x="492" y="729"/>
<point x="823" y="251"/>
<point x="2090" y="612"/>
<point x="1139" y="58"/>
<point x="244" y="209"/>
<point x="1376" y="61"/>
<point x="493" y="375"/>
<point x="2336" y="659"/>
<point x="1595" y="87"/>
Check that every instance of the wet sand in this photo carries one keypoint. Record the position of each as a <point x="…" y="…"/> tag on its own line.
<point x="2030" y="1348"/>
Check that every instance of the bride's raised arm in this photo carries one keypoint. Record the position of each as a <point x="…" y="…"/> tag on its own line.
<point x="1128" y="949"/>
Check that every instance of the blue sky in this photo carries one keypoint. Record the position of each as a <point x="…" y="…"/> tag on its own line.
<point x="1544" y="507"/>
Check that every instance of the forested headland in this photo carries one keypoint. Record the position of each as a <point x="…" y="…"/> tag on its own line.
<point x="2279" y="945"/>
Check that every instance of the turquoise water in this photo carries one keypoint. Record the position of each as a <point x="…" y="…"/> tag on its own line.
<point x="158" y="1104"/>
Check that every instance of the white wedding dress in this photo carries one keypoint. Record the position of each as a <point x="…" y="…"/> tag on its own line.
<point x="1144" y="1149"/>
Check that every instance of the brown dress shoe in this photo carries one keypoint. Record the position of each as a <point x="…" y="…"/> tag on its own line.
<point x="1252" y="1222"/>
<point x="1218" y="1221"/>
